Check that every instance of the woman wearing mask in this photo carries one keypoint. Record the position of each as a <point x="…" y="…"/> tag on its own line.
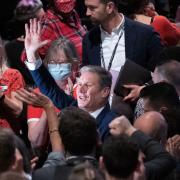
<point x="62" y="63"/>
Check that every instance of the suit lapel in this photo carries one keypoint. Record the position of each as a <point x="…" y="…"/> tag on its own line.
<point x="102" y="114"/>
<point x="130" y="39"/>
<point x="95" y="39"/>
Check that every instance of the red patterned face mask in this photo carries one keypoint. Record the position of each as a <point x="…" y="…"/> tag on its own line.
<point x="64" y="6"/>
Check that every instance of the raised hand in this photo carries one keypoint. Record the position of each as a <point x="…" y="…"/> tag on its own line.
<point x="32" y="41"/>
<point x="33" y="98"/>
<point x="121" y="125"/>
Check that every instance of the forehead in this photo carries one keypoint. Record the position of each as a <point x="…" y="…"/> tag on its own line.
<point x="58" y="55"/>
<point x="93" y="2"/>
<point x="89" y="77"/>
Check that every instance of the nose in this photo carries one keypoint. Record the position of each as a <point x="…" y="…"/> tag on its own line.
<point x="88" y="12"/>
<point x="81" y="88"/>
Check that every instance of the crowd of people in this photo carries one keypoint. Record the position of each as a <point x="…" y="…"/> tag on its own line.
<point x="90" y="90"/>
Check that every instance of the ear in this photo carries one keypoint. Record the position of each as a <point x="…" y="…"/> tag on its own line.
<point x="163" y="109"/>
<point x="110" y="7"/>
<point x="105" y="92"/>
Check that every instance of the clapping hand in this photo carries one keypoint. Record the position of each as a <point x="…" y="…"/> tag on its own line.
<point x="33" y="98"/>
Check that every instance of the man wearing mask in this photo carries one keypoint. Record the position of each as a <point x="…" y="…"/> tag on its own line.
<point x="61" y="20"/>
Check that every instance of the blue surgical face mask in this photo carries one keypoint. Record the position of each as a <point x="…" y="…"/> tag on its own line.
<point x="60" y="71"/>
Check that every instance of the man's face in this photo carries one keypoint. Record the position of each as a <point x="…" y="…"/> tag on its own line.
<point x="90" y="95"/>
<point x="96" y="10"/>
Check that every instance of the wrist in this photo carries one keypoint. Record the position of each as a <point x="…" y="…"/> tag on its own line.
<point x="48" y="106"/>
<point x="32" y="56"/>
<point x="53" y="131"/>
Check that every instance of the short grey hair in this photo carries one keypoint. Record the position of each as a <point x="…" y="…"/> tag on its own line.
<point x="105" y="77"/>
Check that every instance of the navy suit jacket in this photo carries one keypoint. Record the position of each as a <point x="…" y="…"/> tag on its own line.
<point x="141" y="43"/>
<point x="48" y="86"/>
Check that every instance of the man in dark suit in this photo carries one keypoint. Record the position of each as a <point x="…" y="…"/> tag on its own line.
<point x="140" y="41"/>
<point x="93" y="91"/>
<point x="93" y="87"/>
<point x="117" y="38"/>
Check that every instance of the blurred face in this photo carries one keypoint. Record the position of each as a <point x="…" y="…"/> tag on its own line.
<point x="156" y="76"/>
<point x="90" y="96"/>
<point x="96" y="10"/>
<point x="59" y="67"/>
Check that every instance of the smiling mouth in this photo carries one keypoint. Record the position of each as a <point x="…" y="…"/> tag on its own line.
<point x="83" y="98"/>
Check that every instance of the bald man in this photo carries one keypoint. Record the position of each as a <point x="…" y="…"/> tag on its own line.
<point x="153" y="124"/>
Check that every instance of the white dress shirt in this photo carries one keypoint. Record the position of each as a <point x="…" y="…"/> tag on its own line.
<point x="108" y="44"/>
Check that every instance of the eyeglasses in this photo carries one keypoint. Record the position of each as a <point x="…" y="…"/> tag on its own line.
<point x="52" y="61"/>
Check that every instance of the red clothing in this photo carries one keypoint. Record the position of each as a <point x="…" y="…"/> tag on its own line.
<point x="34" y="113"/>
<point x="13" y="79"/>
<point x="53" y="28"/>
<point x="169" y="32"/>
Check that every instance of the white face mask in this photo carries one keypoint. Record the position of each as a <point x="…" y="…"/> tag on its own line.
<point x="60" y="71"/>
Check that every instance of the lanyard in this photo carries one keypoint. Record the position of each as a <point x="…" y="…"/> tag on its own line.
<point x="113" y="53"/>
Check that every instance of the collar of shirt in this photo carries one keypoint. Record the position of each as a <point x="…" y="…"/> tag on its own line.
<point x="115" y="30"/>
<point x="97" y="112"/>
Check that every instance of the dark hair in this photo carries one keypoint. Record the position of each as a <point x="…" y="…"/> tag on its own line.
<point x="120" y="155"/>
<point x="116" y="2"/>
<point x="167" y="53"/>
<point x="25" y="154"/>
<point x="85" y="171"/>
<point x="78" y="131"/>
<point x="131" y="7"/>
<point x="164" y="95"/>
<point x="161" y="94"/>
<point x="105" y="77"/>
<point x="7" y="149"/>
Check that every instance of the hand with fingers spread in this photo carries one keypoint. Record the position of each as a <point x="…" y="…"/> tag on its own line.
<point x="32" y="41"/>
<point x="134" y="93"/>
<point x="121" y="125"/>
<point x="33" y="98"/>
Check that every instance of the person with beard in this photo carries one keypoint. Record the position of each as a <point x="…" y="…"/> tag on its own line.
<point x="114" y="39"/>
